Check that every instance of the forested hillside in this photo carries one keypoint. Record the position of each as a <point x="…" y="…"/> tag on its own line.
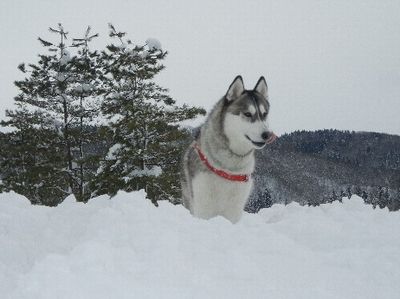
<point x="322" y="166"/>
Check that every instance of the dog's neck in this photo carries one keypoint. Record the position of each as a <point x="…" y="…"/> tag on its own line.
<point x="221" y="156"/>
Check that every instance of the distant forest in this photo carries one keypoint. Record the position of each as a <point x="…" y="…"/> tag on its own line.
<point x="322" y="166"/>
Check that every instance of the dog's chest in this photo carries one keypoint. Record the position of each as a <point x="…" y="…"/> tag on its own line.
<point x="210" y="188"/>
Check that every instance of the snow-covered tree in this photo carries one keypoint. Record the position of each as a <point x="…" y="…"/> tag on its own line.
<point x="54" y="109"/>
<point x="146" y="141"/>
<point x="84" y="93"/>
<point x="57" y="142"/>
<point x="30" y="168"/>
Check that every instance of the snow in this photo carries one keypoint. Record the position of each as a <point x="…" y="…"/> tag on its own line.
<point x="83" y="88"/>
<point x="112" y="152"/>
<point x="61" y="77"/>
<point x="153" y="44"/>
<point x="127" y="248"/>
<point x="152" y="171"/>
<point x="65" y="57"/>
<point x="144" y="54"/>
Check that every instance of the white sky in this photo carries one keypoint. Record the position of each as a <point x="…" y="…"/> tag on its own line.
<point x="328" y="64"/>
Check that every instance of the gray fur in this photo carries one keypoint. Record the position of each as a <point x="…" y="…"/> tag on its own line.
<point x="249" y="98"/>
<point x="214" y="142"/>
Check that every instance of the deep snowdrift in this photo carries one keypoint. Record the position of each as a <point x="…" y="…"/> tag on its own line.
<point x="127" y="248"/>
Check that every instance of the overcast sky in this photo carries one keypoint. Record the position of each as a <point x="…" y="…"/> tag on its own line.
<point x="328" y="64"/>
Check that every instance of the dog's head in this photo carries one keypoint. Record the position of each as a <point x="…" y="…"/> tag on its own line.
<point x="245" y="121"/>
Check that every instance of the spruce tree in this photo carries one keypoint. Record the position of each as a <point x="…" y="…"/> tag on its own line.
<point x="31" y="169"/>
<point x="146" y="141"/>
<point x="57" y="142"/>
<point x="53" y="110"/>
<point x="84" y="92"/>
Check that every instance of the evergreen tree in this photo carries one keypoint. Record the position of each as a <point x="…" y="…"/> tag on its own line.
<point x="383" y="197"/>
<point x="146" y="142"/>
<point x="31" y="169"/>
<point x="84" y="92"/>
<point x="259" y="201"/>
<point x="49" y="122"/>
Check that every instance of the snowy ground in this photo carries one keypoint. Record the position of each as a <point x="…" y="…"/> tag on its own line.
<point x="127" y="248"/>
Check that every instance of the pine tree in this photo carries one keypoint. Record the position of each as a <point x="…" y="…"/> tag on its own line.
<point x="146" y="142"/>
<point x="57" y="143"/>
<point x="85" y="91"/>
<point x="53" y="110"/>
<point x="3" y="142"/>
<point x="31" y="169"/>
<point x="258" y="201"/>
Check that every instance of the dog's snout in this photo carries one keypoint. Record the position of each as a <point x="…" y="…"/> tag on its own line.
<point x="265" y="135"/>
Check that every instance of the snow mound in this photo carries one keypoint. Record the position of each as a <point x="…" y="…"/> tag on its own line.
<point x="127" y="248"/>
<point x="153" y="44"/>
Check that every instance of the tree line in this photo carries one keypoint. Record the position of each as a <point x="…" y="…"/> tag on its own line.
<point x="314" y="167"/>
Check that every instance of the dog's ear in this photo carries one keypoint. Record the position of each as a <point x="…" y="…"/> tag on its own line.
<point x="235" y="90"/>
<point x="261" y="87"/>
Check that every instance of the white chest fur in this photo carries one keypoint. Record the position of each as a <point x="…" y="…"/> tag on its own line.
<point x="214" y="195"/>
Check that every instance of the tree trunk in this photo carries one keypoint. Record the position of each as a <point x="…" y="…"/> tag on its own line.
<point x="67" y="143"/>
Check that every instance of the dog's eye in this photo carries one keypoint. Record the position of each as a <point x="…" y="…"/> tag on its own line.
<point x="264" y="115"/>
<point x="247" y="114"/>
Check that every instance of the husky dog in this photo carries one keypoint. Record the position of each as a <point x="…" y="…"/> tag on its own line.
<point x="217" y="166"/>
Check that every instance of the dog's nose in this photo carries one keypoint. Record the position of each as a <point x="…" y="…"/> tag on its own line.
<point x="265" y="135"/>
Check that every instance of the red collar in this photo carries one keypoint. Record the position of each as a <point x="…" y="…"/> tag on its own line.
<point x="220" y="172"/>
